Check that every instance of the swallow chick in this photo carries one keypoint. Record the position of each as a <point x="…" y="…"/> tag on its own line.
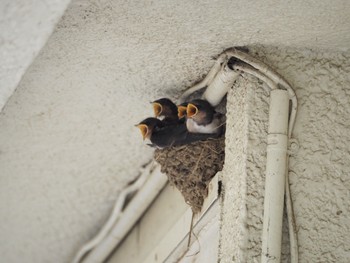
<point x="164" y="135"/>
<point x="164" y="108"/>
<point x="202" y="118"/>
<point x="182" y="111"/>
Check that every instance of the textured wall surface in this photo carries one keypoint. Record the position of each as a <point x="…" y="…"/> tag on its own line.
<point x="25" y="26"/>
<point x="319" y="169"/>
<point x="243" y="175"/>
<point x="67" y="141"/>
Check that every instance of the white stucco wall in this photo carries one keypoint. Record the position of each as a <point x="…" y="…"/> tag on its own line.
<point x="67" y="141"/>
<point x="25" y="27"/>
<point x="319" y="169"/>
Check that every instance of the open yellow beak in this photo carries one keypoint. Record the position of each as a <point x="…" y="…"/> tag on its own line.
<point x="144" y="130"/>
<point x="181" y="111"/>
<point x="157" y="108"/>
<point x="192" y="110"/>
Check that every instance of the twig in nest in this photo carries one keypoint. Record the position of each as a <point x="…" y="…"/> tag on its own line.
<point x="190" y="233"/>
<point x="199" y="158"/>
<point x="199" y="244"/>
<point x="208" y="147"/>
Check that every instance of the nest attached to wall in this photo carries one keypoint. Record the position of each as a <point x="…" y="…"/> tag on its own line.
<point x="191" y="167"/>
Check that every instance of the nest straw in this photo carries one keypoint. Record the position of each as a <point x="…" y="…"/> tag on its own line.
<point x="191" y="167"/>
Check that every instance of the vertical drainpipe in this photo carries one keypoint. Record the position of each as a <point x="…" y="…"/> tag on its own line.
<point x="277" y="142"/>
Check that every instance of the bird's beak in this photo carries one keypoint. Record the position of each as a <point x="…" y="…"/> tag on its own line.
<point x="192" y="110"/>
<point x="157" y="108"/>
<point x="181" y="111"/>
<point x="144" y="130"/>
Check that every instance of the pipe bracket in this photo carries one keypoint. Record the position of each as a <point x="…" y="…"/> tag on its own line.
<point x="293" y="146"/>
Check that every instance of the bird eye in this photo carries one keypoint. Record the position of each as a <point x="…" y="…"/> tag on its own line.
<point x="144" y="130"/>
<point x="181" y="111"/>
<point x="157" y="108"/>
<point x="192" y="110"/>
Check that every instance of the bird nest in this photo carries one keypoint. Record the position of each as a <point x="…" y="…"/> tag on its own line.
<point x="191" y="167"/>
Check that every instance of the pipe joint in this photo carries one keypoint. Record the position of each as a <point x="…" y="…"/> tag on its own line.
<point x="277" y="141"/>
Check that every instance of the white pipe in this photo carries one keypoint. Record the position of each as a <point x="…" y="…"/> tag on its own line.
<point x="220" y="85"/>
<point x="293" y="235"/>
<point x="116" y="212"/>
<point x="218" y="82"/>
<point x="256" y="73"/>
<point x="218" y="65"/>
<point x="127" y="219"/>
<point x="277" y="146"/>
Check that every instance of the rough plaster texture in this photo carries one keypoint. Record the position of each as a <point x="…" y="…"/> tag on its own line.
<point x="177" y="25"/>
<point x="67" y="141"/>
<point x="319" y="168"/>
<point x="25" y="27"/>
<point x="243" y="179"/>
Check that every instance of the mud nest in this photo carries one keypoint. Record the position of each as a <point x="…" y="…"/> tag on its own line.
<point x="191" y="167"/>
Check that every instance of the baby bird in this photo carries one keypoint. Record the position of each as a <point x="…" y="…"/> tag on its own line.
<point x="164" y="135"/>
<point x="182" y="111"/>
<point x="202" y="118"/>
<point x="164" y="108"/>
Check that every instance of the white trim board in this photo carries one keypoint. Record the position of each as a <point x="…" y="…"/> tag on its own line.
<point x="161" y="235"/>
